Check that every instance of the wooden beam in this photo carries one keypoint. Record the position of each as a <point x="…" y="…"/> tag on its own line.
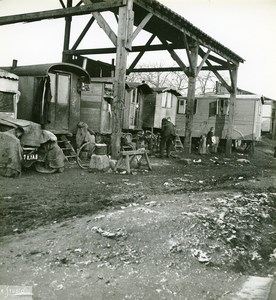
<point x="190" y="100"/>
<point x="220" y="78"/>
<point x="190" y="30"/>
<point x="175" y="57"/>
<point x="83" y="33"/>
<point x="232" y="104"/>
<point x="120" y="79"/>
<point x="61" y="13"/>
<point x="62" y="4"/>
<point x="172" y="69"/>
<point x="134" y="49"/>
<point x="187" y="51"/>
<point x="139" y="28"/>
<point x="79" y="3"/>
<point x="105" y="26"/>
<point x="138" y="57"/>
<point x="202" y="62"/>
<point x="213" y="58"/>
<point x="67" y="32"/>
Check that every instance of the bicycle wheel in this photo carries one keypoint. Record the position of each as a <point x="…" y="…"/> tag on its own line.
<point x="84" y="155"/>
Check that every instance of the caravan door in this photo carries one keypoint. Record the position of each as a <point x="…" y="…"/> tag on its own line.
<point x="60" y="102"/>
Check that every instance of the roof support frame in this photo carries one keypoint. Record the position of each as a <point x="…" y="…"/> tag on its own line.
<point x="139" y="56"/>
<point x="83" y="33"/>
<point x="105" y="26"/>
<point x="175" y="57"/>
<point x="61" y="13"/>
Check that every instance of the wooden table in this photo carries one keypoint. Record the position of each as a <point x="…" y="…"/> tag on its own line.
<point x="128" y="157"/>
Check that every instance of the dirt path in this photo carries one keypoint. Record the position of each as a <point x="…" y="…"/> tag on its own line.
<point x="187" y="230"/>
<point x="142" y="251"/>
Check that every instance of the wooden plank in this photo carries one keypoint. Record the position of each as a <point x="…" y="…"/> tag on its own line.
<point x="61" y="13"/>
<point x="105" y="26"/>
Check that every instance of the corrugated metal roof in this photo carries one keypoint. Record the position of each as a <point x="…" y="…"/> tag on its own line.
<point x="8" y="75"/>
<point x="181" y="23"/>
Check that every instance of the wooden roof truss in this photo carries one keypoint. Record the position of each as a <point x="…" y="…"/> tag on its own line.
<point x="173" y="31"/>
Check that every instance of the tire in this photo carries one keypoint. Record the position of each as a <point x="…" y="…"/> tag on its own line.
<point x="83" y="157"/>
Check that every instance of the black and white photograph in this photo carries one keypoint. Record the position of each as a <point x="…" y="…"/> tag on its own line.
<point x="137" y="150"/>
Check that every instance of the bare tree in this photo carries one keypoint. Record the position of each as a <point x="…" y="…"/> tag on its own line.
<point x="206" y="81"/>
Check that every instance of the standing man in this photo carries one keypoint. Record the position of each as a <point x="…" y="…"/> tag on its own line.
<point x="209" y="140"/>
<point x="167" y="136"/>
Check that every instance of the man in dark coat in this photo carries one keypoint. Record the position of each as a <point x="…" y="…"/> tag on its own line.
<point x="209" y="140"/>
<point x="167" y="137"/>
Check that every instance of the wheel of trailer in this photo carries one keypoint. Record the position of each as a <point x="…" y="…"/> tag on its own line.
<point x="84" y="156"/>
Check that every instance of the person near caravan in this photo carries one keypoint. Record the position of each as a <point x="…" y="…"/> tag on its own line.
<point x="209" y="140"/>
<point x="167" y="136"/>
<point x="51" y="158"/>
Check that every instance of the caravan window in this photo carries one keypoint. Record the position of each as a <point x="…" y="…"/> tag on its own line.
<point x="181" y="106"/>
<point x="166" y="100"/>
<point x="6" y="102"/>
<point x="213" y="108"/>
<point x="223" y="107"/>
<point x="219" y="107"/>
<point x="195" y="106"/>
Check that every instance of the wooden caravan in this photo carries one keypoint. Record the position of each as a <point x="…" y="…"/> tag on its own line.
<point x="97" y="101"/>
<point x="213" y="111"/>
<point x="9" y="94"/>
<point x="267" y="115"/>
<point x="162" y="103"/>
<point x="96" y="105"/>
<point x="50" y="95"/>
<point x="134" y="102"/>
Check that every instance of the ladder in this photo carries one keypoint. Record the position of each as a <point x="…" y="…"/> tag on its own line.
<point x="178" y="146"/>
<point x="67" y="149"/>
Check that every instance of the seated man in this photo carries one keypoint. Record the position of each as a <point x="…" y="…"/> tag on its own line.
<point x="50" y="156"/>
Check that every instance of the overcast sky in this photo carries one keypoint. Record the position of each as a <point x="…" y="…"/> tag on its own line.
<point x="247" y="27"/>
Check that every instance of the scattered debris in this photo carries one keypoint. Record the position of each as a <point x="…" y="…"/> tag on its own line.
<point x="118" y="233"/>
<point x="243" y="161"/>
<point x="200" y="255"/>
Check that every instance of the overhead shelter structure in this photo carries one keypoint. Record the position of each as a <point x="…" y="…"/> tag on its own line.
<point x="175" y="34"/>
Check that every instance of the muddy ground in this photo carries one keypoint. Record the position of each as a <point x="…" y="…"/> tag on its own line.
<point x="185" y="230"/>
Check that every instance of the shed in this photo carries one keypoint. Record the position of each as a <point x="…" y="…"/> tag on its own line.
<point x="162" y="103"/>
<point x="212" y="111"/>
<point x="50" y="95"/>
<point x="9" y="94"/>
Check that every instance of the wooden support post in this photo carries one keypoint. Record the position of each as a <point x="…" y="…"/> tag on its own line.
<point x="232" y="104"/>
<point x="67" y="32"/>
<point x="190" y="99"/>
<point x="120" y="78"/>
